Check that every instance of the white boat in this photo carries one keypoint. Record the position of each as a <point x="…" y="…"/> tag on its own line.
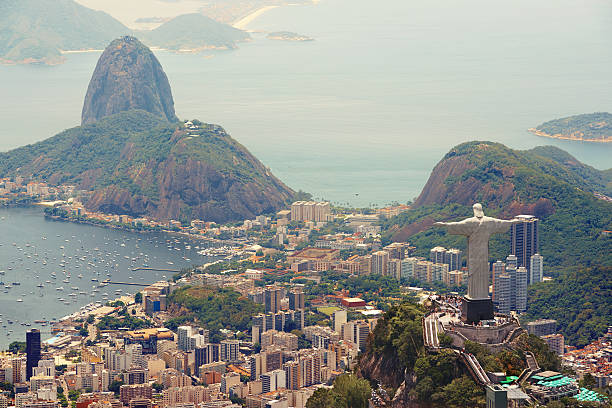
<point x="20" y="300"/>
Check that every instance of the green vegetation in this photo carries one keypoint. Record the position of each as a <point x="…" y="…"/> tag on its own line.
<point x="126" y="321"/>
<point x="17" y="347"/>
<point x="588" y="126"/>
<point x="214" y="308"/>
<point x="512" y="362"/>
<point x="137" y="153"/>
<point x="396" y="347"/>
<point x="398" y="339"/>
<point x="579" y="300"/>
<point x="369" y="287"/>
<point x="115" y="386"/>
<point x="546" y="182"/>
<point x="348" y="392"/>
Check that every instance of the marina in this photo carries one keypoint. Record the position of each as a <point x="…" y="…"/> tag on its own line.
<point x="50" y="270"/>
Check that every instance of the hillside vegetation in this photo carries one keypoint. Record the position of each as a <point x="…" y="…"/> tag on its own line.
<point x="545" y="182"/>
<point x="396" y="359"/>
<point x="137" y="164"/>
<point x="579" y="300"/>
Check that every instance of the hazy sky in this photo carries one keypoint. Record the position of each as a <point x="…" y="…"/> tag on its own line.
<point x="127" y="11"/>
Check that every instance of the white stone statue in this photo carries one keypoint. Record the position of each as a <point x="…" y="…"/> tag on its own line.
<point x="478" y="229"/>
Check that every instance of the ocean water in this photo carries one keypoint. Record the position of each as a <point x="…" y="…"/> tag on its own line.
<point x="70" y="261"/>
<point x="363" y="113"/>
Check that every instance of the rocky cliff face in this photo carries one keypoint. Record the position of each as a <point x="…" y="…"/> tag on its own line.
<point x="128" y="76"/>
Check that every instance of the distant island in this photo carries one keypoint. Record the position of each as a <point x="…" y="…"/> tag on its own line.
<point x="288" y="36"/>
<point x="590" y="127"/>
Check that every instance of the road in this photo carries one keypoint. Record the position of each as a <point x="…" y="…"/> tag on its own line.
<point x="431" y="331"/>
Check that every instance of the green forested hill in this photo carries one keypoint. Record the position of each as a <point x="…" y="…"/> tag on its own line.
<point x="546" y="182"/>
<point x="509" y="182"/>
<point x="137" y="164"/>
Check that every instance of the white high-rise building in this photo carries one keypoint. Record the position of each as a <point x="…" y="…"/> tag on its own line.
<point x="497" y="269"/>
<point x="536" y="268"/>
<point x="273" y="380"/>
<point x="380" y="260"/>
<point x="229" y="349"/>
<point x="183" y="334"/>
<point x="407" y="268"/>
<point x="509" y="286"/>
<point x="340" y="317"/>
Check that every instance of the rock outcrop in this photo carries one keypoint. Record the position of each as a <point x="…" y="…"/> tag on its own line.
<point x="128" y="76"/>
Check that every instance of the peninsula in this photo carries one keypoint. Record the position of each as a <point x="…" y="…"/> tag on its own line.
<point x="590" y="127"/>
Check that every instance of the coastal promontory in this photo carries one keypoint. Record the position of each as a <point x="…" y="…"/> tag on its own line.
<point x="133" y="156"/>
<point x="590" y="127"/>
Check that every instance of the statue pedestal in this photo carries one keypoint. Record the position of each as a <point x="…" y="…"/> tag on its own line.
<point x="475" y="310"/>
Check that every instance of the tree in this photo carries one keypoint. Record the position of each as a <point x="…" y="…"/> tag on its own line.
<point x="322" y="398"/>
<point x="17" y="347"/>
<point x="461" y="392"/>
<point x="90" y="319"/>
<point x="115" y="386"/>
<point x="158" y="387"/>
<point x="138" y="297"/>
<point x="351" y="392"/>
<point x="445" y="340"/>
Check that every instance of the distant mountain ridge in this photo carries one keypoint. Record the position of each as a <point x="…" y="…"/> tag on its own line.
<point x="37" y="31"/>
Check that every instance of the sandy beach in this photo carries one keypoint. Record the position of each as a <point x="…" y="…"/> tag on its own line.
<point x="243" y="22"/>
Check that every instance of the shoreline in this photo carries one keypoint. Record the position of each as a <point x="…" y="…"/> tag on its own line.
<point x="244" y="21"/>
<point x="559" y="136"/>
<point x="120" y="228"/>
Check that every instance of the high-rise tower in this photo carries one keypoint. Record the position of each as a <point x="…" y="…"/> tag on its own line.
<point x="524" y="239"/>
<point x="32" y="351"/>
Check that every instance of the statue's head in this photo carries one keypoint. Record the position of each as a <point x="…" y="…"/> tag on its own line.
<point x="478" y="213"/>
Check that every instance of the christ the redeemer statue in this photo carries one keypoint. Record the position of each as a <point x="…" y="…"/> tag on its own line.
<point x="478" y="229"/>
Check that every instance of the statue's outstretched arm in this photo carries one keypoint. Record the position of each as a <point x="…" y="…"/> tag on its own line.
<point x="504" y="225"/>
<point x="456" y="228"/>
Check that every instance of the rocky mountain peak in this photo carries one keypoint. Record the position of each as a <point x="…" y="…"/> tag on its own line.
<point x="128" y="76"/>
